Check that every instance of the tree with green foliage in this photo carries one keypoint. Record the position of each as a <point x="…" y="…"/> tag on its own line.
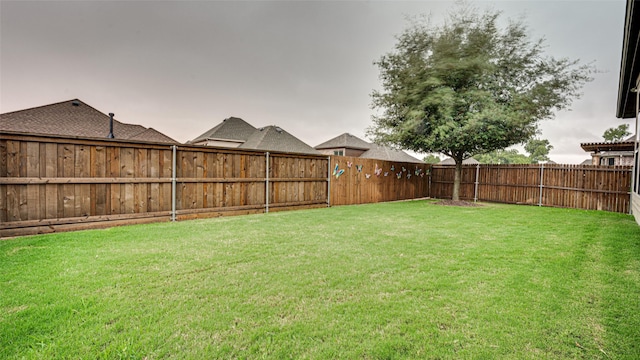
<point x="431" y="159"/>
<point x="501" y="156"/>
<point x="538" y="150"/>
<point x="617" y="133"/>
<point x="469" y="87"/>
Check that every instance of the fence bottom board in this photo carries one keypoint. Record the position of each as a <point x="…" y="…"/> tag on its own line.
<point x="35" y="227"/>
<point x="83" y="219"/>
<point x="300" y="207"/>
<point x="214" y="214"/>
<point x="37" y="230"/>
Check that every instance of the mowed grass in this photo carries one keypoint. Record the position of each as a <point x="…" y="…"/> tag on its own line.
<point x="399" y="280"/>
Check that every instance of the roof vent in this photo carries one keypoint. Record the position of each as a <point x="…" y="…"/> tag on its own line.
<point x="279" y="130"/>
<point x="75" y="103"/>
<point x="110" y="136"/>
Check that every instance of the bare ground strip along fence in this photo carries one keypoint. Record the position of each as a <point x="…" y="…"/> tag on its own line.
<point x="53" y="183"/>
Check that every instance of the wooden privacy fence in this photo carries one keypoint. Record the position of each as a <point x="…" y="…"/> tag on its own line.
<point x="573" y="186"/>
<point x="361" y="183"/>
<point x="51" y="183"/>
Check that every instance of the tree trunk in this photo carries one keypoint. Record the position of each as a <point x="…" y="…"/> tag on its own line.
<point x="456" y="180"/>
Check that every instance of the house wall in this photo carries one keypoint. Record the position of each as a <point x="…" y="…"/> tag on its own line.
<point x="635" y="180"/>
<point x="220" y="143"/>
<point x="345" y="152"/>
<point x="328" y="151"/>
<point x="354" y="152"/>
<point x="635" y="206"/>
<point x="625" y="160"/>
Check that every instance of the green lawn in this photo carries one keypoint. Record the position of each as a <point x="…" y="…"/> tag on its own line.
<point x="383" y="281"/>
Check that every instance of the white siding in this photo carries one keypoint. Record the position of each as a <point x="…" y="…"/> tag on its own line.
<point x="635" y="206"/>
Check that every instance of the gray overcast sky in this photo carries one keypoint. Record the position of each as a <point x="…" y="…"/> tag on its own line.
<point x="181" y="67"/>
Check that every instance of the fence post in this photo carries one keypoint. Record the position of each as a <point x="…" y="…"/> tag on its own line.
<point x="173" y="183"/>
<point x="475" y="191"/>
<point x="430" y="174"/>
<point x="328" y="181"/>
<point x="266" y="181"/>
<point x="541" y="183"/>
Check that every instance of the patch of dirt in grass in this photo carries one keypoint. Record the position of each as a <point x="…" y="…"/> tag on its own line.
<point x="456" y="203"/>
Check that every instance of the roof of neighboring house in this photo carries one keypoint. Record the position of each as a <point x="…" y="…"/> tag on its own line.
<point x="625" y="145"/>
<point x="77" y="119"/>
<point x="346" y="141"/>
<point x="383" y="153"/>
<point x="629" y="66"/>
<point x="587" y="162"/>
<point x="373" y="151"/>
<point x="450" y="161"/>
<point x="230" y="129"/>
<point x="273" y="138"/>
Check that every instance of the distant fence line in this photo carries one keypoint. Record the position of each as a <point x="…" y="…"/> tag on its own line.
<point x="590" y="187"/>
<point x="50" y="183"/>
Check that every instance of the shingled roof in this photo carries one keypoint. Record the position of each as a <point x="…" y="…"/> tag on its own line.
<point x="345" y="140"/>
<point x="384" y="153"/>
<point x="77" y="119"/>
<point x="273" y="138"/>
<point x="231" y="129"/>
<point x="373" y="151"/>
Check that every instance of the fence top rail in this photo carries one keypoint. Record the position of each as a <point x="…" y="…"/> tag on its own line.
<point x="356" y="159"/>
<point x="75" y="140"/>
<point x="538" y="166"/>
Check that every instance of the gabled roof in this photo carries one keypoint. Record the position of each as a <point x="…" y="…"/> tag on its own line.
<point x="77" y="119"/>
<point x="273" y="138"/>
<point x="373" y="151"/>
<point x="346" y="141"/>
<point x="230" y="129"/>
<point x="383" y="153"/>
<point x="625" y="145"/>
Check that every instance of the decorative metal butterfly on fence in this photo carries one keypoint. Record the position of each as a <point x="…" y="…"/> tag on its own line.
<point x="367" y="175"/>
<point x="349" y="163"/>
<point x="418" y="171"/>
<point x="359" y="167"/>
<point x="378" y="171"/>
<point x="393" y="168"/>
<point x="399" y="175"/>
<point x="337" y="172"/>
